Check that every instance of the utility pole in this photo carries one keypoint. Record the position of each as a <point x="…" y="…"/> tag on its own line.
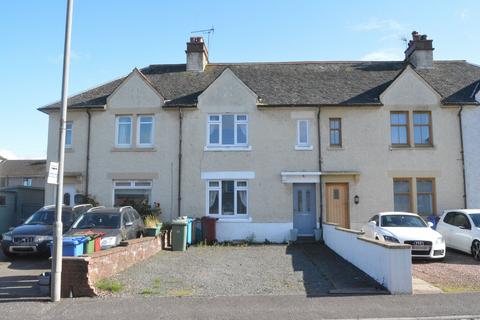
<point x="58" y="226"/>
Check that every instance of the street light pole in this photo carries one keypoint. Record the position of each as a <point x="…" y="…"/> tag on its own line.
<point x="58" y="226"/>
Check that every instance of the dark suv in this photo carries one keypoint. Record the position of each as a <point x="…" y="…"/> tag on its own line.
<point x="36" y="232"/>
<point x="117" y="224"/>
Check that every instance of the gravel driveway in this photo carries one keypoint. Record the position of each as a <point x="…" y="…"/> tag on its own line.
<point x="309" y="269"/>
<point x="457" y="273"/>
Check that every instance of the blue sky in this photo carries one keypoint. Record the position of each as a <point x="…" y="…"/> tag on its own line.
<point x="111" y="37"/>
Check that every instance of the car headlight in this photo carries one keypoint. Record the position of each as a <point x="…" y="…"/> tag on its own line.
<point x="439" y="240"/>
<point x="7" y="237"/>
<point x="43" y="238"/>
<point x="391" y="239"/>
<point x="108" y="241"/>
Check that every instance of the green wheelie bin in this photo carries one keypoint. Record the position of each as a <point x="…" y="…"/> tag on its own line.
<point x="179" y="235"/>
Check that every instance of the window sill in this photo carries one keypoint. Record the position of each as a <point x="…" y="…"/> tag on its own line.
<point x="335" y="148"/>
<point x="232" y="219"/>
<point x="130" y="149"/>
<point x="426" y="147"/>
<point x="227" y="148"/>
<point x="304" y="148"/>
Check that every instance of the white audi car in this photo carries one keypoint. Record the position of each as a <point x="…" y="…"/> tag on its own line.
<point x="408" y="228"/>
<point x="461" y="230"/>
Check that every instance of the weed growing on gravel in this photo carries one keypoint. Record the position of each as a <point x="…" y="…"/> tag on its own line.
<point x="109" y="285"/>
<point x="180" y="293"/>
<point x="148" y="292"/>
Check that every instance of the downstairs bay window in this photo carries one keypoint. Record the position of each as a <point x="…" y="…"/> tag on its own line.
<point x="227" y="198"/>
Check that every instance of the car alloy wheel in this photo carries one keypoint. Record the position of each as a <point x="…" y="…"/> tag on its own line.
<point x="476" y="250"/>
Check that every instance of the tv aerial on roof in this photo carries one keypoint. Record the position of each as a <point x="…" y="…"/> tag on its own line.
<point x="207" y="32"/>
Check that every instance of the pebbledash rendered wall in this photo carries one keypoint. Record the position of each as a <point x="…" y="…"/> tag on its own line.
<point x="471" y="138"/>
<point x="389" y="264"/>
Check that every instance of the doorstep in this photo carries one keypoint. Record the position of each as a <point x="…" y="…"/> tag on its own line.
<point x="423" y="287"/>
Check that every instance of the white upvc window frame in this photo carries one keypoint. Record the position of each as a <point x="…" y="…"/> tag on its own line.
<point x="152" y="133"/>
<point x="69" y="130"/>
<point x="237" y="122"/>
<point x="218" y="188"/>
<point x="27" y="182"/>
<point x="306" y="145"/>
<point x="117" y="127"/>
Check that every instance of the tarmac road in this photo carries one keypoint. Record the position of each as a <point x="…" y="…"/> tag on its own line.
<point x="449" y="306"/>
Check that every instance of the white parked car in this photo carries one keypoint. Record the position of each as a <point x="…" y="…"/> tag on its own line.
<point x="407" y="228"/>
<point x="461" y="230"/>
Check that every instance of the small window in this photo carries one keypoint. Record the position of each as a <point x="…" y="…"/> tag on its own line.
<point x="27" y="182"/>
<point x="402" y="196"/>
<point x="336" y="194"/>
<point x="303" y="139"/>
<point x="422" y="128"/>
<point x="335" y="132"/>
<point x="124" y="131"/>
<point x="399" y="128"/>
<point x="145" y="131"/>
<point x="69" y="134"/>
<point x="425" y="196"/>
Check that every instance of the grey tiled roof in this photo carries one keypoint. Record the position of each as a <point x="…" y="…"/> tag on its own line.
<point x="297" y="83"/>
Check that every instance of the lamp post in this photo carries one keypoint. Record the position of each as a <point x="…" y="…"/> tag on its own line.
<point x="58" y="226"/>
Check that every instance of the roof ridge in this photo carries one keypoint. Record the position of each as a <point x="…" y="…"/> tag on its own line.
<point x="302" y="62"/>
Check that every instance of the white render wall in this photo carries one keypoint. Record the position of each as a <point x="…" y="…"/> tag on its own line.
<point x="391" y="265"/>
<point x="254" y="232"/>
<point x="471" y="145"/>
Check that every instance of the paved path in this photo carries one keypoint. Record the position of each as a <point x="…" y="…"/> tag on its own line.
<point x="248" y="307"/>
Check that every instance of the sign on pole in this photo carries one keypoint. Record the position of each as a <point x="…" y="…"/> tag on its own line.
<point x="53" y="173"/>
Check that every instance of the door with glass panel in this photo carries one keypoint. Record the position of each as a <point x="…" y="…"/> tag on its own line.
<point x="304" y="209"/>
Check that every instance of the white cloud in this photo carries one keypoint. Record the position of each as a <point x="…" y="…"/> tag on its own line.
<point x="376" y="24"/>
<point x="384" y="55"/>
<point x="10" y="155"/>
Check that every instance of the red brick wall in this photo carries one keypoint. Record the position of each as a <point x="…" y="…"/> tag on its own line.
<point x="79" y="274"/>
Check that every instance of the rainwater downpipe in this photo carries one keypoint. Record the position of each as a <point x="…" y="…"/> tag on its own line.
<point x="180" y="120"/>
<point x="462" y="154"/>
<point x="87" y="167"/>
<point x="320" y="187"/>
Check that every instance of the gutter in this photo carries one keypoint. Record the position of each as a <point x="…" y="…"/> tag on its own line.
<point x="87" y="167"/>
<point x="320" y="186"/>
<point x="462" y="154"/>
<point x="180" y="120"/>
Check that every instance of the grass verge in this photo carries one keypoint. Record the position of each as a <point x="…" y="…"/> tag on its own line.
<point x="109" y="285"/>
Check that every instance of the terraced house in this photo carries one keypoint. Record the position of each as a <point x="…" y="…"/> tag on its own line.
<point x="272" y="149"/>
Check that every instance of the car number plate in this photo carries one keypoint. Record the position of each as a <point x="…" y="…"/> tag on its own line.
<point x="421" y="248"/>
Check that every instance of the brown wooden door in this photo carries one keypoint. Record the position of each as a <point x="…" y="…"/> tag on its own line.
<point x="337" y="204"/>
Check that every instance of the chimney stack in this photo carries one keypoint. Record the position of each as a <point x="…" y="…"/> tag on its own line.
<point x="197" y="54"/>
<point x="419" y="51"/>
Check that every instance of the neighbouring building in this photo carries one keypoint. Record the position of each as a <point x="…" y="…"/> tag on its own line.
<point x="22" y="192"/>
<point x="271" y="148"/>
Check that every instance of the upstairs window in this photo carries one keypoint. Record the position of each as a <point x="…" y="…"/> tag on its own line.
<point x="27" y="182"/>
<point x="335" y="132"/>
<point x="302" y="133"/>
<point x="422" y="128"/>
<point x="145" y="131"/>
<point x="124" y="131"/>
<point x="69" y="134"/>
<point x="399" y="128"/>
<point x="227" y="130"/>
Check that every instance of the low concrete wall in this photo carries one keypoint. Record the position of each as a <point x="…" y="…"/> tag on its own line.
<point x="79" y="274"/>
<point x="255" y="232"/>
<point x="389" y="264"/>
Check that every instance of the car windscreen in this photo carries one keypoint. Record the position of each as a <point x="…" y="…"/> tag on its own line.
<point x="402" y="221"/>
<point x="98" y="220"/>
<point x="47" y="217"/>
<point x="476" y="219"/>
